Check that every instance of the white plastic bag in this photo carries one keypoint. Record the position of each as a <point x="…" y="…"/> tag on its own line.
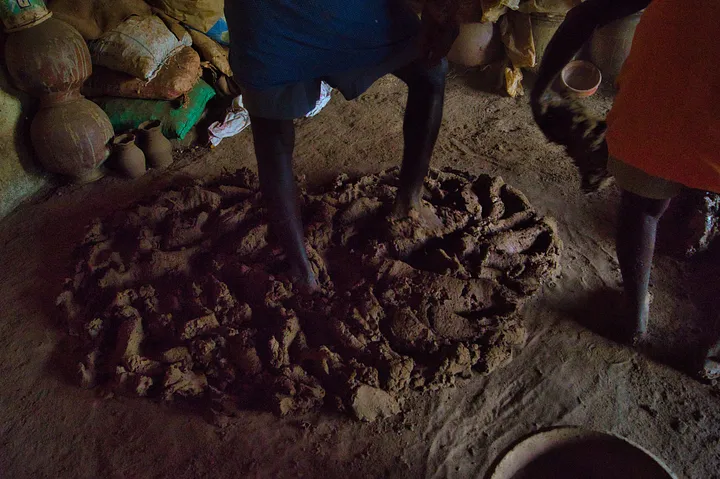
<point x="325" y="96"/>
<point x="237" y="117"/>
<point x="236" y="120"/>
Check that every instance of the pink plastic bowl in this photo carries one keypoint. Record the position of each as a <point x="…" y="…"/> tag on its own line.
<point x="581" y="78"/>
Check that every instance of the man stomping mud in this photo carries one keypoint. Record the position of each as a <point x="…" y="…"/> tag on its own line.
<point x="664" y="128"/>
<point x="281" y="51"/>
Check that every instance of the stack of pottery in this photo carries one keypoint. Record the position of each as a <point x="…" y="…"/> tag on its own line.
<point x="147" y="148"/>
<point x="50" y="60"/>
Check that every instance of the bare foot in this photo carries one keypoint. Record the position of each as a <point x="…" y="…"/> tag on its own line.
<point x="305" y="282"/>
<point x="640" y="340"/>
<point x="636" y="323"/>
<point x="423" y="214"/>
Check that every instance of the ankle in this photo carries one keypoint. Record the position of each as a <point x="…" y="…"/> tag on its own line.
<point x="638" y="312"/>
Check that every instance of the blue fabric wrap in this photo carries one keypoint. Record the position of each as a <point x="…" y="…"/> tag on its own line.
<point x="280" y="42"/>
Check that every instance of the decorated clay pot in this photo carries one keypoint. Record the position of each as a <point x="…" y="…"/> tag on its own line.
<point x="71" y="138"/>
<point x="48" y="60"/>
<point x="157" y="148"/>
<point x="21" y="14"/>
<point x="128" y="158"/>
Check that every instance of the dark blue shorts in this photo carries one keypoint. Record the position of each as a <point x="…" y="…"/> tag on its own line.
<point x="281" y="50"/>
<point x="295" y="100"/>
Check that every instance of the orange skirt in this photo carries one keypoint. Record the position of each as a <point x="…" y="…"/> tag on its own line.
<point x="666" y="117"/>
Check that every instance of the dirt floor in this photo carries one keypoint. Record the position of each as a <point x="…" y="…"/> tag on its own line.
<point x="567" y="374"/>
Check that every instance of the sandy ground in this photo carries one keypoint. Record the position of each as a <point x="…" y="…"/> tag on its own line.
<point x="566" y="374"/>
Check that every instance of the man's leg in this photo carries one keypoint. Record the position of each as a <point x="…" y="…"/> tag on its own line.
<point x="423" y="117"/>
<point x="274" y="145"/>
<point x="637" y="228"/>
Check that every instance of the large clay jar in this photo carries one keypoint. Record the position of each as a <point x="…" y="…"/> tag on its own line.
<point x="477" y="44"/>
<point x="157" y="148"/>
<point x="71" y="138"/>
<point x="20" y="14"/>
<point x="48" y="60"/>
<point x="544" y="26"/>
<point x="128" y="158"/>
<point x="51" y="61"/>
<point x="610" y="45"/>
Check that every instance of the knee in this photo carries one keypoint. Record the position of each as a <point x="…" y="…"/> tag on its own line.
<point x="431" y="80"/>
<point x="647" y="208"/>
<point x="437" y="74"/>
<point x="272" y="137"/>
<point x="267" y="129"/>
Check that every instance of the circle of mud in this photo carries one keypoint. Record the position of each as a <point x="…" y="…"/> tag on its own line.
<point x="184" y="296"/>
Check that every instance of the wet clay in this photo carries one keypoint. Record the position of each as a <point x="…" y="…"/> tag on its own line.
<point x="185" y="296"/>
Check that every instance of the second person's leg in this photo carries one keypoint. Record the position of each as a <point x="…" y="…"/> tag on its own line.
<point x="637" y="229"/>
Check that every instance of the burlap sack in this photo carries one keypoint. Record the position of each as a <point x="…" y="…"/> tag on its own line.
<point x="139" y="46"/>
<point x="92" y="18"/>
<point x="199" y="14"/>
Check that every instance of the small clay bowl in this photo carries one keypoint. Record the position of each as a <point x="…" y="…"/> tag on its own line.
<point x="581" y="78"/>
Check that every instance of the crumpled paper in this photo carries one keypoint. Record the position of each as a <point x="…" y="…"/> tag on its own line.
<point x="556" y="7"/>
<point x="513" y="81"/>
<point x="494" y="9"/>
<point x="516" y="34"/>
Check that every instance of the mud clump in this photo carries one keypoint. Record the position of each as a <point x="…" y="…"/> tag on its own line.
<point x="185" y="296"/>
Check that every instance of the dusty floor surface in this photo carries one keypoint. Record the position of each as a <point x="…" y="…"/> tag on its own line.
<point x="565" y="375"/>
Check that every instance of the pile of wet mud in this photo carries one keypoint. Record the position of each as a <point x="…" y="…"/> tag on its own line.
<point x="184" y="296"/>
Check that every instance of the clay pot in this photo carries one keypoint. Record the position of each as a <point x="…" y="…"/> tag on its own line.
<point x="157" y="148"/>
<point x="71" y="138"/>
<point x="128" y="157"/>
<point x="578" y="453"/>
<point x="610" y="45"/>
<point x="544" y="26"/>
<point x="48" y="60"/>
<point x="477" y="44"/>
<point x="18" y="15"/>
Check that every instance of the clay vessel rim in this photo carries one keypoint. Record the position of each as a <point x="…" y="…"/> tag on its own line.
<point x="26" y="26"/>
<point x="150" y="125"/>
<point x="568" y="78"/>
<point x="124" y="139"/>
